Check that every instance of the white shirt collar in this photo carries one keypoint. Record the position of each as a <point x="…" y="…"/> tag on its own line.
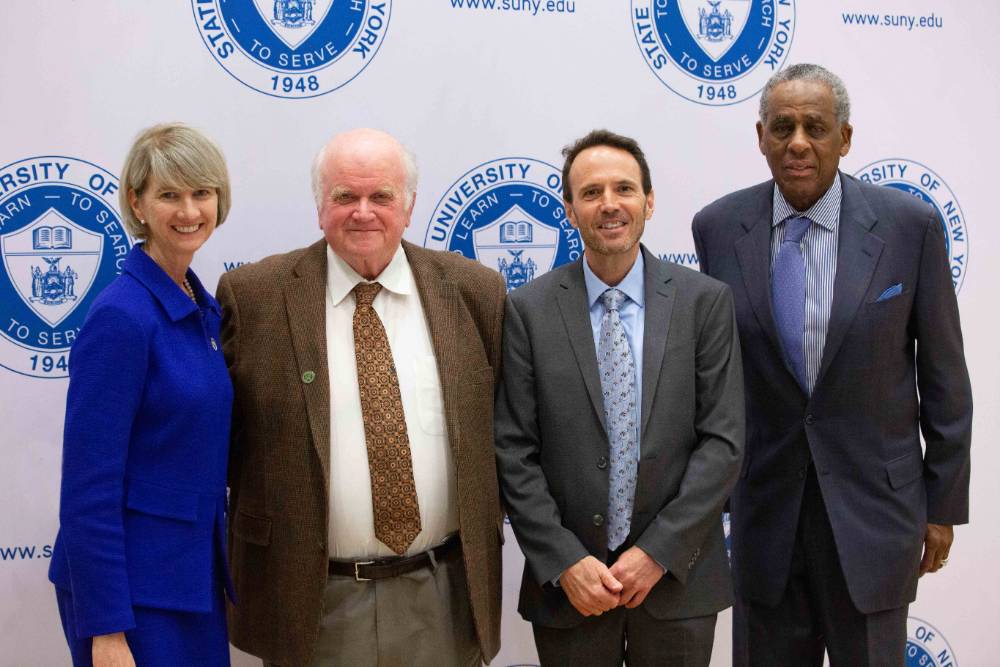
<point x="341" y="278"/>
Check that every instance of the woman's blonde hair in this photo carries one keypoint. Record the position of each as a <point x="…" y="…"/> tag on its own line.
<point x="174" y="156"/>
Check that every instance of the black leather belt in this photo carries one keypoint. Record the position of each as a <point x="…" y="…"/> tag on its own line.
<point x="383" y="568"/>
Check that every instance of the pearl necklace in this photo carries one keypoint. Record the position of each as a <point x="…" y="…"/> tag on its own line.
<point x="189" y="291"/>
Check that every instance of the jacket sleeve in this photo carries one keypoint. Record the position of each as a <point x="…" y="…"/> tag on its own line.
<point x="943" y="384"/>
<point x="107" y="371"/>
<point x="674" y="537"/>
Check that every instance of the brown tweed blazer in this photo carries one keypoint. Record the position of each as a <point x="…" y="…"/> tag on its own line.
<point x="274" y="339"/>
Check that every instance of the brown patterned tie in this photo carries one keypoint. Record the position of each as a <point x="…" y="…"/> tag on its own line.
<point x="394" y="495"/>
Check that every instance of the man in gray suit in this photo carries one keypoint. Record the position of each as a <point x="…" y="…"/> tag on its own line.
<point x="619" y="428"/>
<point x="852" y="345"/>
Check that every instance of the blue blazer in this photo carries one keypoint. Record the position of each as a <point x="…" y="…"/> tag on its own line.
<point x="145" y="449"/>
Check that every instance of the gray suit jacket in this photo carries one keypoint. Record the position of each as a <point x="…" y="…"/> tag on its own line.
<point x="273" y="334"/>
<point x="891" y="368"/>
<point x="552" y="447"/>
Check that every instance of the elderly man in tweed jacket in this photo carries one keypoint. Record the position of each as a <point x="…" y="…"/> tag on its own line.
<point x="365" y="519"/>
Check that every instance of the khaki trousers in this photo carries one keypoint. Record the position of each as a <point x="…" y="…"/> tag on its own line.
<point x="418" y="619"/>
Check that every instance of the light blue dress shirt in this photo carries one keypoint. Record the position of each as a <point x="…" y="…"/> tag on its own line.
<point x="632" y="313"/>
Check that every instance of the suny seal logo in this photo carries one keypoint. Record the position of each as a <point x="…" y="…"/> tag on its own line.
<point x="920" y="181"/>
<point x="293" y="48"/>
<point x="62" y="242"/>
<point x="714" y="52"/>
<point x="926" y="646"/>
<point x="508" y="214"/>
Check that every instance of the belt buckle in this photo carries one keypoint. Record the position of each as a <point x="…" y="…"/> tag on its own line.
<point x="357" y="573"/>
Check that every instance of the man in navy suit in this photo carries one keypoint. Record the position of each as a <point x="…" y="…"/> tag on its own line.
<point x="852" y="348"/>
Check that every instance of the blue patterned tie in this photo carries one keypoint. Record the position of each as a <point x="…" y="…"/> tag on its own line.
<point x="617" y="368"/>
<point x="788" y="291"/>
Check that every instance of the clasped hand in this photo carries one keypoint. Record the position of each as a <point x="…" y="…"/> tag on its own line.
<point x="593" y="588"/>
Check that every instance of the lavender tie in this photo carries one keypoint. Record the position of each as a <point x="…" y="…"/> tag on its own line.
<point x="617" y="368"/>
<point x="788" y="292"/>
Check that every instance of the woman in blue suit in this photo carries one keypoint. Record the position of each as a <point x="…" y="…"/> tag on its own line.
<point x="139" y="564"/>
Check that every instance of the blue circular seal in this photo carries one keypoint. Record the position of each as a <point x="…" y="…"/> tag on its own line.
<point x="293" y="48"/>
<point x="926" y="646"/>
<point x="714" y="52"/>
<point x="920" y="181"/>
<point x="62" y="242"/>
<point x="508" y="214"/>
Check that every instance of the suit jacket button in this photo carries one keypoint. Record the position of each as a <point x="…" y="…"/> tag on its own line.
<point x="810" y="419"/>
<point x="598" y="520"/>
<point x="602" y="462"/>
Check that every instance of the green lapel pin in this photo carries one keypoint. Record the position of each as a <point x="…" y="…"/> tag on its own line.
<point x="308" y="377"/>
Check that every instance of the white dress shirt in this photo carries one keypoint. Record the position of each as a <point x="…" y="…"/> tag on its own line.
<point x="352" y="530"/>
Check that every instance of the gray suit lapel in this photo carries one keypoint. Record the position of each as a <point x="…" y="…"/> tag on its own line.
<point x="572" y="300"/>
<point x="305" y="303"/>
<point x="857" y="257"/>
<point x="659" y="294"/>
<point x="441" y="301"/>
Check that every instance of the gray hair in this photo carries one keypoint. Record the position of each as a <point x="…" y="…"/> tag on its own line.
<point x="406" y="156"/>
<point x="809" y="72"/>
<point x="174" y="156"/>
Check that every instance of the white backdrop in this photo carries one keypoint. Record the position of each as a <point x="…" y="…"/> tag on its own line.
<point x="464" y="83"/>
